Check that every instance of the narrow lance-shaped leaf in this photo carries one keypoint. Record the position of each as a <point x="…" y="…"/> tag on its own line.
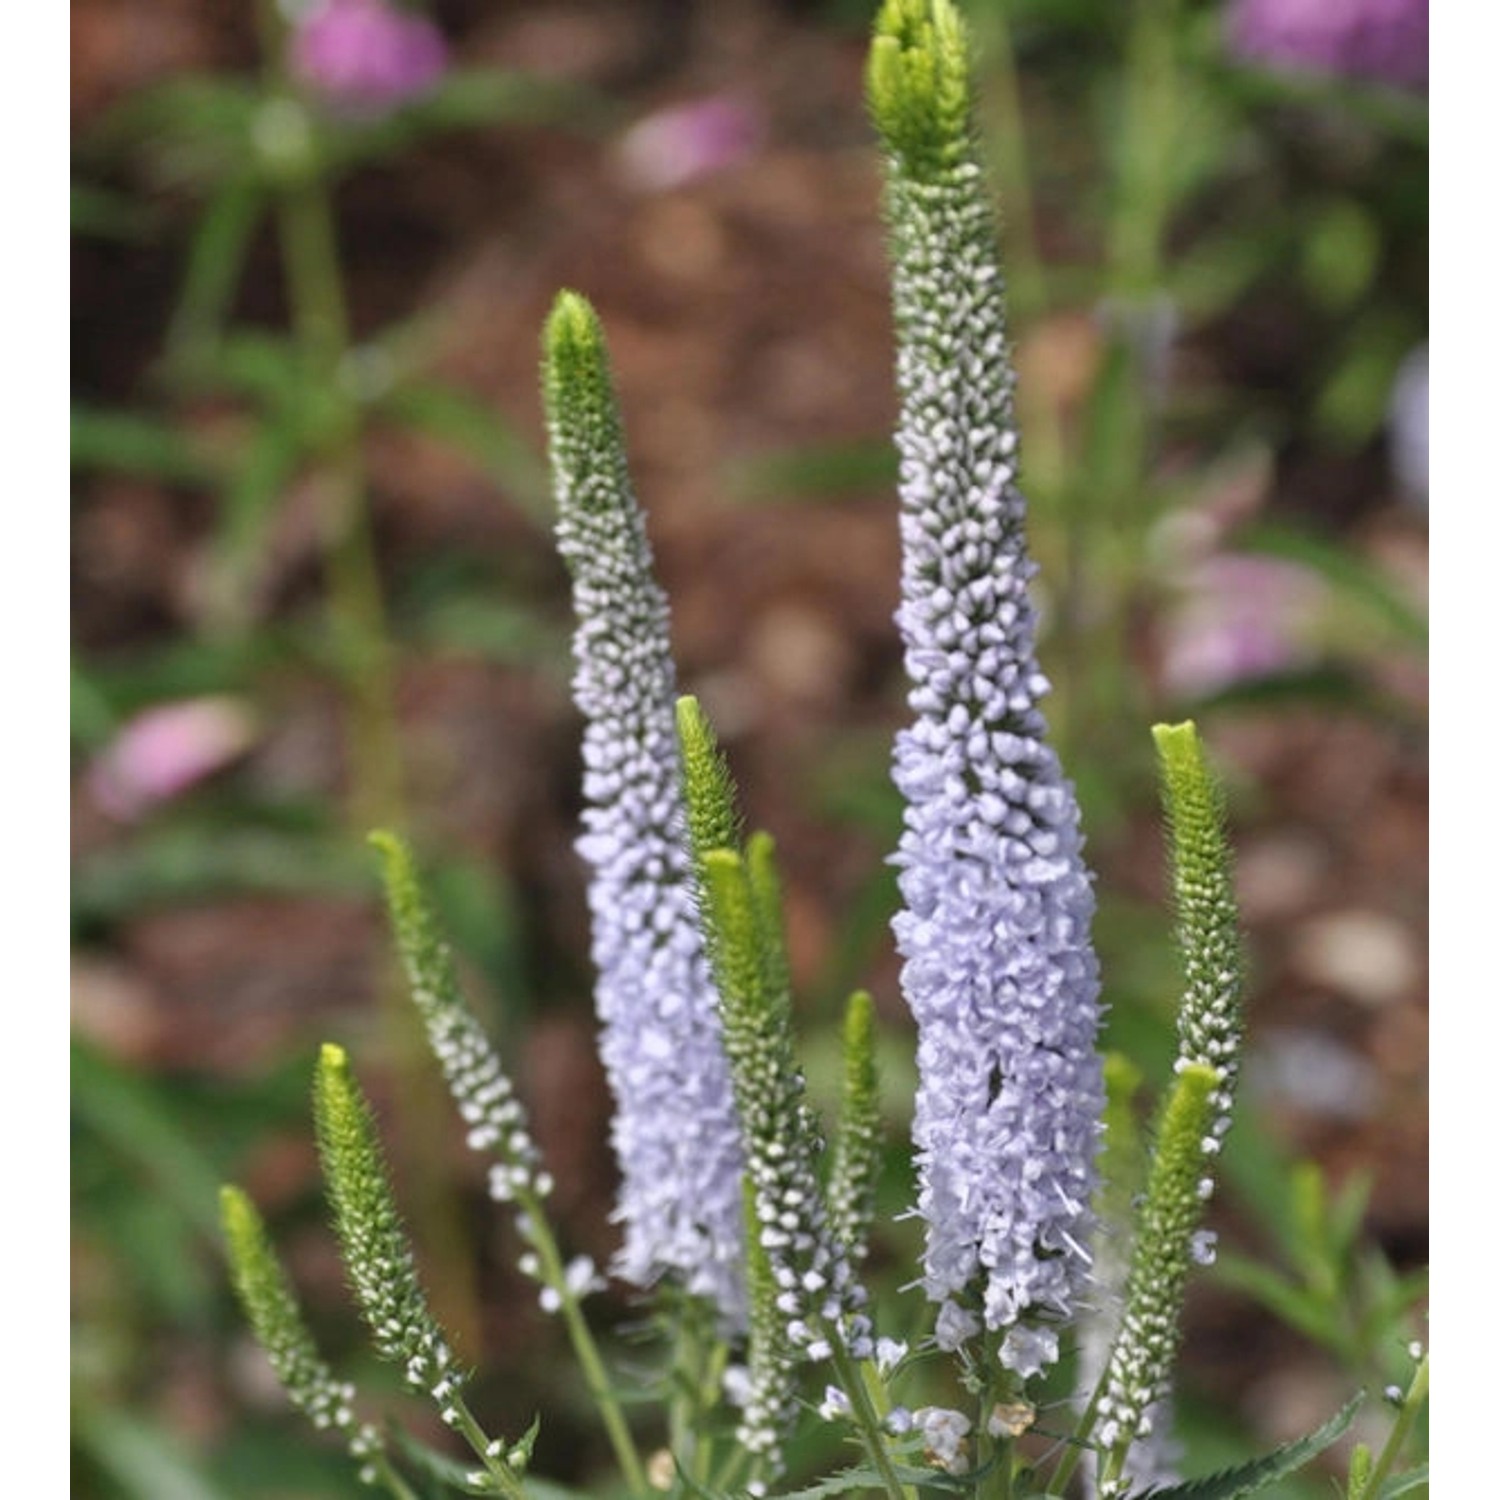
<point x="1250" y="1478"/>
<point x="265" y="1292"/>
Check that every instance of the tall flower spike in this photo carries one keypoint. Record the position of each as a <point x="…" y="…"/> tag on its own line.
<point x="377" y="1254"/>
<point x="271" y="1307"/>
<point x="476" y="1077"/>
<point x="999" y="970"/>
<point x="675" y="1133"/>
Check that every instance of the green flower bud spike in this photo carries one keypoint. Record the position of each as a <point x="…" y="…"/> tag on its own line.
<point x="917" y="84"/>
<point x="856" y="1151"/>
<point x="497" y="1124"/>
<point x="1197" y="1112"/>
<point x="475" y="1075"/>
<point x="378" y="1259"/>
<point x="1140" y="1364"/>
<point x="270" y="1305"/>
<point x="1210" y="1020"/>
<point x="816" y="1298"/>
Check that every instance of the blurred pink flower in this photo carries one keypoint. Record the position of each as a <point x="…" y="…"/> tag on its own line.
<point x="1378" y="39"/>
<point x="1242" y="617"/>
<point x="678" y="145"/>
<point x="366" y="56"/>
<point x="165" y="750"/>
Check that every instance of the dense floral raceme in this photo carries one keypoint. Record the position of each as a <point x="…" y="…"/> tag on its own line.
<point x="676" y="1134"/>
<point x="999" y="971"/>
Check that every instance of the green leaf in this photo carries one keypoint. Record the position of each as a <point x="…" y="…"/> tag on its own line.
<point x="1404" y="1484"/>
<point x="474" y="427"/>
<point x="129" y="1115"/>
<point x="1246" y="1479"/>
<point x="1294" y="1305"/>
<point x="144" y="1461"/>
<point x="139" y="443"/>
<point x="1356" y="580"/>
<point x="215" y="257"/>
<point x="862" y="1477"/>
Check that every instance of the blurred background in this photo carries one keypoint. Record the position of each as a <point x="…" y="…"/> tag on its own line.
<point x="314" y="593"/>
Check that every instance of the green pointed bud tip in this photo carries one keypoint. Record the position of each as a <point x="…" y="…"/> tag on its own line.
<point x="399" y="873"/>
<point x="392" y="849"/>
<point x="240" y="1220"/>
<point x="573" y="327"/>
<point x="573" y="345"/>
<point x="859" y="1021"/>
<point x="333" y="1061"/>
<point x="1178" y="745"/>
<point x="1122" y="1078"/>
<point x="917" y="81"/>
<point x="713" y="822"/>
<point x="724" y="865"/>
<point x="692" y="726"/>
<point x="1188" y="1106"/>
<point x="760" y="857"/>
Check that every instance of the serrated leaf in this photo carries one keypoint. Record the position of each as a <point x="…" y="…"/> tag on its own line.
<point x="863" y="1476"/>
<point x="1246" y="1479"/>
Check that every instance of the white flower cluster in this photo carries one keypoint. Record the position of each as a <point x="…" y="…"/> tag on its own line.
<point x="999" y="970"/>
<point x="675" y="1133"/>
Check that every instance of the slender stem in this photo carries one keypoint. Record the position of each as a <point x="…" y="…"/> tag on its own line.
<point x="554" y="1275"/>
<point x="867" y="1417"/>
<point x="357" y="617"/>
<point x="1078" y="1444"/>
<point x="391" y="1478"/>
<point x="1411" y="1407"/>
<point x="321" y="322"/>
<point x="479" y="1440"/>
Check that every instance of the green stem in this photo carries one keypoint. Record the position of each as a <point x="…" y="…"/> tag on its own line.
<point x="867" y="1416"/>
<point x="479" y="1440"/>
<point x="391" y="1478"/>
<point x="357" y="605"/>
<point x="1411" y="1407"/>
<point x="361" y="640"/>
<point x="554" y="1275"/>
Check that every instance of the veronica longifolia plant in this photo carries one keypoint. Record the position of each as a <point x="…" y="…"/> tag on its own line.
<point x="1051" y="1226"/>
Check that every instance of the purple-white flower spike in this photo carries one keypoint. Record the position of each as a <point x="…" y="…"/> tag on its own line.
<point x="676" y="1134"/>
<point x="999" y="971"/>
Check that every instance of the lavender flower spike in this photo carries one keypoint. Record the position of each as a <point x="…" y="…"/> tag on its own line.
<point x="999" y="971"/>
<point x="676" y="1134"/>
